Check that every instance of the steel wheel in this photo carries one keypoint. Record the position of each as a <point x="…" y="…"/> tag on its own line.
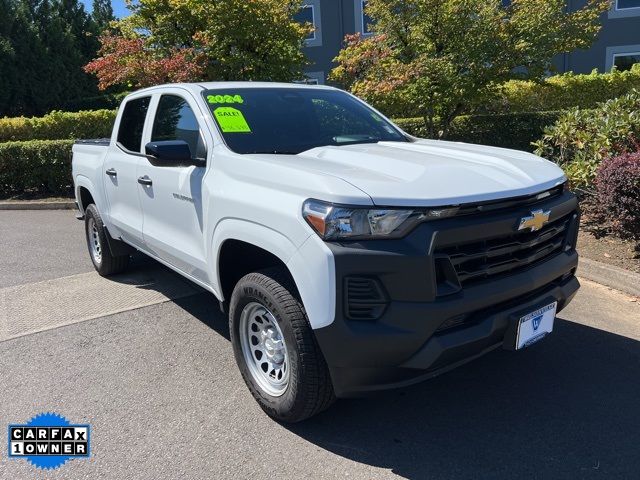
<point x="94" y="241"/>
<point x="264" y="349"/>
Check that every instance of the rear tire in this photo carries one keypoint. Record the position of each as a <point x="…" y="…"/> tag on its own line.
<point x="104" y="262"/>
<point x="275" y="348"/>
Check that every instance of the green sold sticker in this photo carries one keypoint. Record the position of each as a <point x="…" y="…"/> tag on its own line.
<point x="225" y="99"/>
<point x="231" y="120"/>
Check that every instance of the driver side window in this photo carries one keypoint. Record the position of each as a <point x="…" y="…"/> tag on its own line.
<point x="175" y="120"/>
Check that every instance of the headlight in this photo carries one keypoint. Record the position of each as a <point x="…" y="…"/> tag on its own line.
<point x="339" y="222"/>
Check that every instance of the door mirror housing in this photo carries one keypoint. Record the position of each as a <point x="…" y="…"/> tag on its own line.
<point x="170" y="153"/>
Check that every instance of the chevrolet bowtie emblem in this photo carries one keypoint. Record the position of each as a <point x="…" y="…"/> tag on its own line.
<point x="535" y="221"/>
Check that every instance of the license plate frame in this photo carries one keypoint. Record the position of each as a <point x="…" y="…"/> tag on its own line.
<point x="536" y="325"/>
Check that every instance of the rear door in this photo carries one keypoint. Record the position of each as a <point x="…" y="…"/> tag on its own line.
<point x="172" y="203"/>
<point x="120" y="172"/>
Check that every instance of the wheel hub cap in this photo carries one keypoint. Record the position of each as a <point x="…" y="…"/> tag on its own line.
<point x="264" y="349"/>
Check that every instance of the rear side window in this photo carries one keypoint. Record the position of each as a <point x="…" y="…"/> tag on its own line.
<point x="132" y="123"/>
<point x="175" y="120"/>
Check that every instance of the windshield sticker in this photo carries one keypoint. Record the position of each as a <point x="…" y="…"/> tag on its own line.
<point x="224" y="99"/>
<point x="231" y="120"/>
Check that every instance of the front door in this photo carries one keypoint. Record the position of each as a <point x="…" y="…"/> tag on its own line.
<point x="172" y="199"/>
<point x="120" y="173"/>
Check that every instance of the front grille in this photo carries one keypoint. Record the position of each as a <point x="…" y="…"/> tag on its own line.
<point x="365" y="299"/>
<point x="526" y="201"/>
<point x="479" y="260"/>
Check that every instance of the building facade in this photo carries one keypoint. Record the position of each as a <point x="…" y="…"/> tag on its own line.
<point x="618" y="42"/>
<point x="332" y="20"/>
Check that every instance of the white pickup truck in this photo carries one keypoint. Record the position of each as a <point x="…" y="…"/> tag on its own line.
<point x="350" y="256"/>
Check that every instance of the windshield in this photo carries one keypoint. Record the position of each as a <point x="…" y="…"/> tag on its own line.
<point x="292" y="120"/>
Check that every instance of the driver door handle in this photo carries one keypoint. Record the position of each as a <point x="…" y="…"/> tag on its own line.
<point x="145" y="181"/>
<point x="112" y="172"/>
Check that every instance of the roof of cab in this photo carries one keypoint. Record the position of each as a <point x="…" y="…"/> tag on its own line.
<point x="199" y="86"/>
<point x="217" y="85"/>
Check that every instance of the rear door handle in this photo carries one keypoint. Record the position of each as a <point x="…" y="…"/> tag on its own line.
<point x="112" y="172"/>
<point x="145" y="181"/>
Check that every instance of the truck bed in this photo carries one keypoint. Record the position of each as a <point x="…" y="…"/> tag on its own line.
<point x="103" y="142"/>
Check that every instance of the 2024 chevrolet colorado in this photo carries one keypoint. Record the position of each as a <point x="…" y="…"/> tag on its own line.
<point x="350" y="256"/>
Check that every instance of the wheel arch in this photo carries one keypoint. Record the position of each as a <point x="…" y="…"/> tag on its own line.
<point x="310" y="265"/>
<point x="241" y="247"/>
<point x="86" y="192"/>
<point x="238" y="258"/>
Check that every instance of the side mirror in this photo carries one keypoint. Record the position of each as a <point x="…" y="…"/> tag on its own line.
<point x="169" y="152"/>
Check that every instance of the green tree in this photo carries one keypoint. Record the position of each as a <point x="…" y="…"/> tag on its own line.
<point x="7" y="52"/>
<point x="102" y="14"/>
<point x="439" y="58"/>
<point x="215" y="40"/>
<point x="44" y="45"/>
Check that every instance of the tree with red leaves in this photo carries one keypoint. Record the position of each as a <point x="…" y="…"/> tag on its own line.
<point x="131" y="62"/>
<point x="164" y="41"/>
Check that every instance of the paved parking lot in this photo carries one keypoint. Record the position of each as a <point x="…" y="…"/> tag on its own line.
<point x="157" y="382"/>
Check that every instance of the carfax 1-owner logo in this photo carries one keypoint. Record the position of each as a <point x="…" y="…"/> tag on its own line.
<point x="48" y="440"/>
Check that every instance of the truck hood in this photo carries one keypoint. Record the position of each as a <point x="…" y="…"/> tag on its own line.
<point x="430" y="172"/>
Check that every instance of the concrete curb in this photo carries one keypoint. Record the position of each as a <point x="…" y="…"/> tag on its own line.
<point x="28" y="205"/>
<point x="610" y="276"/>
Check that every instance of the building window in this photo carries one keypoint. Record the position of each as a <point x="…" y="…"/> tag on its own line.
<point x="364" y="23"/>
<point x="306" y="16"/>
<point x="367" y="21"/>
<point x="624" y="61"/>
<point x="625" y="8"/>
<point x="624" y="4"/>
<point x="622" y="57"/>
<point x="310" y="13"/>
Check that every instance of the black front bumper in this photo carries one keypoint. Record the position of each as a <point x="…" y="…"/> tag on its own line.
<point x="418" y="329"/>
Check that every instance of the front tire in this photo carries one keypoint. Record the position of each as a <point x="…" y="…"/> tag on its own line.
<point x="104" y="262"/>
<point x="275" y="348"/>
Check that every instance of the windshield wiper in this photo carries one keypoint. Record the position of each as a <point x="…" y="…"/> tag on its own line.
<point x="272" y="152"/>
<point x="357" y="142"/>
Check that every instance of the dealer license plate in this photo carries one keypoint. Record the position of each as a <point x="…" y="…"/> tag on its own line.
<point x="535" y="325"/>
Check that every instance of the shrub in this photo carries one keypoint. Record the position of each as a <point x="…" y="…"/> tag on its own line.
<point x="580" y="139"/>
<point x="561" y="92"/>
<point x="37" y="166"/>
<point x="58" y="125"/>
<point x="413" y="126"/>
<point x="516" y="131"/>
<point x="618" y="194"/>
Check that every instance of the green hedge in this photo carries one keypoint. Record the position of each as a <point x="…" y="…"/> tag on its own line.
<point x="561" y="92"/>
<point x="39" y="167"/>
<point x="515" y="131"/>
<point x="58" y="125"/>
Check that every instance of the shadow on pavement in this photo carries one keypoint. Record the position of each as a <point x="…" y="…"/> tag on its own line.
<point x="568" y="407"/>
<point x="206" y="308"/>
